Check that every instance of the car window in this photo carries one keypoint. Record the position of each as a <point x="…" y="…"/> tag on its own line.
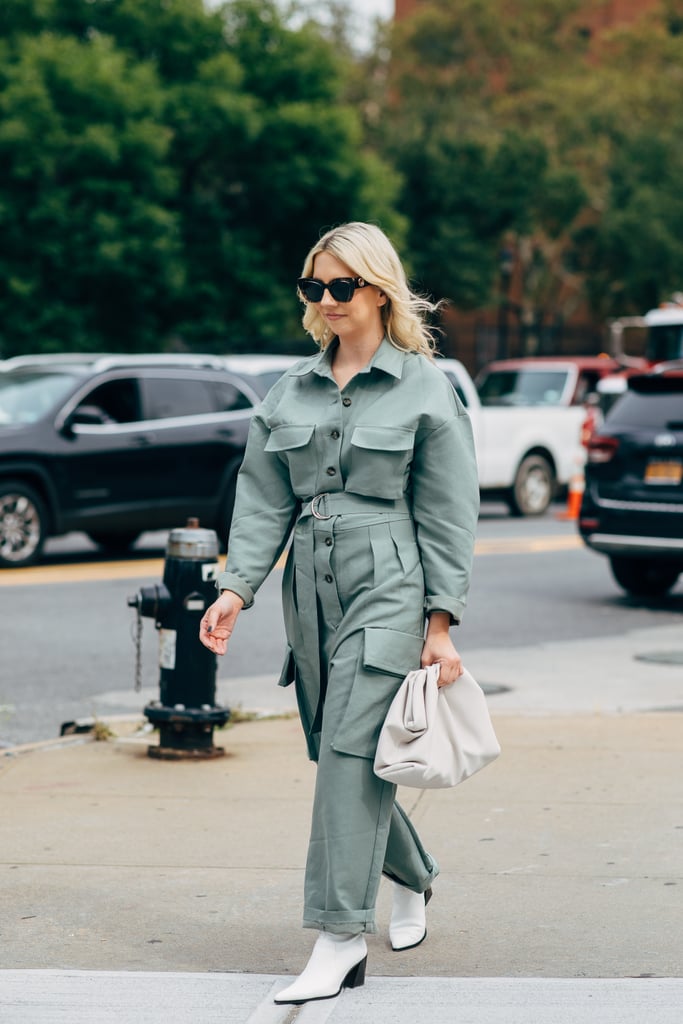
<point x="228" y="397"/>
<point x="168" y="397"/>
<point x="665" y="342"/>
<point x="117" y="400"/>
<point x="522" y="387"/>
<point x="586" y="385"/>
<point x="26" y="396"/>
<point x="659" y="411"/>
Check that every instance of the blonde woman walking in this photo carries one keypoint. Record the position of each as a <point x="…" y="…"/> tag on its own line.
<point x="366" y="452"/>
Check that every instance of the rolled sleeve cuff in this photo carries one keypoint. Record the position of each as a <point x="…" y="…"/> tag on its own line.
<point x="445" y="603"/>
<point x="230" y="581"/>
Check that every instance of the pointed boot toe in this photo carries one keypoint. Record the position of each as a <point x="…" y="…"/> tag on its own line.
<point x="337" y="962"/>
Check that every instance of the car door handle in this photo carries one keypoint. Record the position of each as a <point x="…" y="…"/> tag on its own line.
<point x="143" y="440"/>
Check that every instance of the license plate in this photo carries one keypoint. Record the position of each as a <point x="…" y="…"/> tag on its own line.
<point x="664" y="471"/>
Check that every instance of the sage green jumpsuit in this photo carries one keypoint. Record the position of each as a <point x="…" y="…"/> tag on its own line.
<point x="379" y="482"/>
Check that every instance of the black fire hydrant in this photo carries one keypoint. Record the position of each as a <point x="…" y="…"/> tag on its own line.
<point x="187" y="712"/>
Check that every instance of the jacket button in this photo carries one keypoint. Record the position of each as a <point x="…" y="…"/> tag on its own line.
<point x="331" y="471"/>
<point x="346" y="402"/>
<point x="334" y="435"/>
<point x="328" y="541"/>
<point x="329" y="579"/>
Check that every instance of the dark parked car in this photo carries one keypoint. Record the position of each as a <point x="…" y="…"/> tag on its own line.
<point x="116" y="445"/>
<point x="632" y="508"/>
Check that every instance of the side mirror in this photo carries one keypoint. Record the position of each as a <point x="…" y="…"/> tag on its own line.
<point x="87" y="416"/>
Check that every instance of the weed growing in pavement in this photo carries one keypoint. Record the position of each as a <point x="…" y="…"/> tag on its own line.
<point x="101" y="731"/>
<point x="239" y="715"/>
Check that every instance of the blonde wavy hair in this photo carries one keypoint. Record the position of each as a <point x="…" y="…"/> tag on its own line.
<point x="369" y="254"/>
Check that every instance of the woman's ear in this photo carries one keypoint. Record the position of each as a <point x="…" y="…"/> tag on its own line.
<point x="381" y="298"/>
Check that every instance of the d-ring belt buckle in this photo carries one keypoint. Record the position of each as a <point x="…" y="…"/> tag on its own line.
<point x="314" y="502"/>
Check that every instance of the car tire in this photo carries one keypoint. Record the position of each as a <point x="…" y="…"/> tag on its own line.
<point x="642" y="578"/>
<point x="534" y="487"/>
<point x="23" y="524"/>
<point x="117" y="543"/>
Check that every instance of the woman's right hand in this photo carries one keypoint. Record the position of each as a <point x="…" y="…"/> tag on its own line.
<point x="218" y="621"/>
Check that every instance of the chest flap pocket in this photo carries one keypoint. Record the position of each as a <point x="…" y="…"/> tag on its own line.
<point x="292" y="442"/>
<point x="379" y="458"/>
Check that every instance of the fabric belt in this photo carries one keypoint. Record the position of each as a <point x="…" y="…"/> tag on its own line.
<point x="340" y="503"/>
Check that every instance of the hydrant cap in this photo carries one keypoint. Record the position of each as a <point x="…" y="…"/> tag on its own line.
<point x="189" y="542"/>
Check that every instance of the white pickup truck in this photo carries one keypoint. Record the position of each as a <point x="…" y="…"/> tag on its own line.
<point x="527" y="417"/>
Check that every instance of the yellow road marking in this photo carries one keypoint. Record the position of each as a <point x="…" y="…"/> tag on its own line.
<point x="38" y="575"/>
<point x="526" y="545"/>
<point x="153" y="568"/>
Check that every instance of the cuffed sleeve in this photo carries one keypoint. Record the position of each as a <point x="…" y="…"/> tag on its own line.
<point x="265" y="508"/>
<point x="231" y="581"/>
<point x="445" y="497"/>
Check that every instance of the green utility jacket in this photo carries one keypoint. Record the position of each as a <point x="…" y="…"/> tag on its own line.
<point x="392" y="542"/>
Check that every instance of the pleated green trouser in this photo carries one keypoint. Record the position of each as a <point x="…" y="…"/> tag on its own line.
<point x="358" y="831"/>
<point x="361" y="578"/>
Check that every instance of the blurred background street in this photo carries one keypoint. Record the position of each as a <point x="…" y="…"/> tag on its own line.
<point x="69" y="650"/>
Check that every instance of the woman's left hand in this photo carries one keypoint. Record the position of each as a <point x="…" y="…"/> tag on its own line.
<point x="439" y="649"/>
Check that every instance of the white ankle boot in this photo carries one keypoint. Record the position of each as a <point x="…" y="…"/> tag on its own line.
<point x="337" y="962"/>
<point x="408" y="927"/>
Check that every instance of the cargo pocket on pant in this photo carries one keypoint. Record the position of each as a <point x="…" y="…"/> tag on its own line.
<point x="288" y="673"/>
<point x="386" y="657"/>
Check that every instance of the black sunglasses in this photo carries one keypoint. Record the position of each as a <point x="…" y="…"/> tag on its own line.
<point x="341" y="288"/>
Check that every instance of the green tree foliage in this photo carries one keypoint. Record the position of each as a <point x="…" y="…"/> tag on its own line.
<point x="164" y="168"/>
<point x="634" y="254"/>
<point x="527" y="126"/>
<point x="90" y="240"/>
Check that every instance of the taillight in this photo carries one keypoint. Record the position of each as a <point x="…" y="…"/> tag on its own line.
<point x="588" y="426"/>
<point x="602" y="448"/>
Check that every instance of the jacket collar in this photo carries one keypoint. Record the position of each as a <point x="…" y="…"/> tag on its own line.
<point x="387" y="358"/>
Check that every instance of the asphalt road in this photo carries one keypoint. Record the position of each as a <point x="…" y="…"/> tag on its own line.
<point x="68" y="651"/>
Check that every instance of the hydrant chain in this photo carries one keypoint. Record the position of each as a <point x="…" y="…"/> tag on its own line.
<point x="138" y="650"/>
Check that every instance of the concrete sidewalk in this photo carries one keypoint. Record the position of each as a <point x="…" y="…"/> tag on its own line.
<point x="563" y="860"/>
<point x="117" y="998"/>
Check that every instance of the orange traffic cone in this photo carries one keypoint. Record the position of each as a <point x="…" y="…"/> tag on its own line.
<point x="577" y="485"/>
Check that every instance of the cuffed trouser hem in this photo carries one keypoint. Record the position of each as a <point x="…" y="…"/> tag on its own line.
<point x="341" y="922"/>
<point x="424" y="885"/>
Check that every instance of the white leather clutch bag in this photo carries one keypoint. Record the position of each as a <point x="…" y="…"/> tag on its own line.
<point x="435" y="737"/>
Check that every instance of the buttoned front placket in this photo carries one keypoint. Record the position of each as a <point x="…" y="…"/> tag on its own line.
<point x="323" y="529"/>
<point x="334" y="435"/>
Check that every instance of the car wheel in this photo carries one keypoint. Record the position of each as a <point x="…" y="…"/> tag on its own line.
<point x="533" y="488"/>
<point x="643" y="578"/>
<point x="117" y="543"/>
<point x="23" y="524"/>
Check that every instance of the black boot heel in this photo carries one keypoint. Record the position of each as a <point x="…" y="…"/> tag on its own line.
<point x="356" y="976"/>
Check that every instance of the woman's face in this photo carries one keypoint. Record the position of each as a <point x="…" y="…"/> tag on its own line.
<point x="360" y="319"/>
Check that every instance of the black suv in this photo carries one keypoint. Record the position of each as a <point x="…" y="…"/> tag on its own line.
<point x="116" y="445"/>
<point x="632" y="508"/>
